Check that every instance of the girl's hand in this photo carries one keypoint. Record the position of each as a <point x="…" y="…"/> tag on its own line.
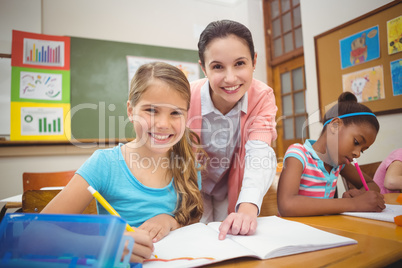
<point x="143" y="246"/>
<point x="369" y="201"/>
<point x="244" y="222"/>
<point x="159" y="226"/>
<point x="352" y="193"/>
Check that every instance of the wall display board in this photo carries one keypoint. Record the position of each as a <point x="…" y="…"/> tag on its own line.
<point x="363" y="56"/>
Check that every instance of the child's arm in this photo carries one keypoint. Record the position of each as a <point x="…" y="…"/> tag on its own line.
<point x="160" y="226"/>
<point x="350" y="173"/>
<point x="393" y="176"/>
<point x="290" y="203"/>
<point x="73" y="199"/>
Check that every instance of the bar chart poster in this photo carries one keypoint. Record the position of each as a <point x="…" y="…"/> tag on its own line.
<point x="46" y="53"/>
<point x="31" y="122"/>
<point x="40" y="51"/>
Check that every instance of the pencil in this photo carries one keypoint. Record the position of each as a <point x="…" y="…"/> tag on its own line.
<point x="360" y="174"/>
<point x="110" y="209"/>
<point x="107" y="206"/>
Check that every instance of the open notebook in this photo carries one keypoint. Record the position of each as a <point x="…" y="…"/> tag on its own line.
<point x="388" y="214"/>
<point x="274" y="237"/>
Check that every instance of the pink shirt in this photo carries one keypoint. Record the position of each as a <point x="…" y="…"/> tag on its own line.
<point x="379" y="175"/>
<point x="257" y="124"/>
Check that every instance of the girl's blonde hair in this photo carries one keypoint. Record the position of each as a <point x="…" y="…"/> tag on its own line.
<point x="183" y="159"/>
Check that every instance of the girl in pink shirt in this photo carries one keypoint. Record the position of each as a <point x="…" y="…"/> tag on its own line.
<point x="389" y="173"/>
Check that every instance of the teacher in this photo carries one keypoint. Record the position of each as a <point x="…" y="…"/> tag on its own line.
<point x="234" y="115"/>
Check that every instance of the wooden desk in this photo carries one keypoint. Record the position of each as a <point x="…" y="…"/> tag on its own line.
<point x="379" y="244"/>
<point x="370" y="251"/>
<point x="382" y="229"/>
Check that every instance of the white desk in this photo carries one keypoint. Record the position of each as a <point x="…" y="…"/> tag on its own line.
<point x="15" y="198"/>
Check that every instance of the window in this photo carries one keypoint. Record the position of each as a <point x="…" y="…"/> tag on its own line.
<point x="284" y="29"/>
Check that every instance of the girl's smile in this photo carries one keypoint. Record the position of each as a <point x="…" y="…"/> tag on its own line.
<point x="160" y="138"/>
<point x="159" y="118"/>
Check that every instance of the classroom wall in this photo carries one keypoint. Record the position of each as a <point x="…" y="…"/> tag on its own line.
<point x="173" y="23"/>
<point x="182" y="21"/>
<point x="319" y="16"/>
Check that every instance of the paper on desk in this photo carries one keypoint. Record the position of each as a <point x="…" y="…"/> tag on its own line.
<point x="16" y="198"/>
<point x="387" y="214"/>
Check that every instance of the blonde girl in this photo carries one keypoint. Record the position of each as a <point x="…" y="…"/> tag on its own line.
<point x="153" y="181"/>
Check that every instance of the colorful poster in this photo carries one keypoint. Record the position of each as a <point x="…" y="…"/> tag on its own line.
<point x="396" y="77"/>
<point x="191" y="70"/>
<point x="40" y="87"/>
<point x="367" y="85"/>
<point x="40" y="51"/>
<point x="394" y="34"/>
<point x="34" y="121"/>
<point x="360" y="47"/>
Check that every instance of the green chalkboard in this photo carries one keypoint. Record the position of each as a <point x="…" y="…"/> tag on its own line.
<point x="99" y="85"/>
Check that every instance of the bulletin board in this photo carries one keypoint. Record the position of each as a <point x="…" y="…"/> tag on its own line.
<point x="99" y="85"/>
<point x="371" y="69"/>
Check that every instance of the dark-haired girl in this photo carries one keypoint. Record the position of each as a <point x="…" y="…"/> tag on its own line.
<point x="308" y="181"/>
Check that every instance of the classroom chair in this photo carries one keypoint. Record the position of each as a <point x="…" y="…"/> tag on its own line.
<point x="269" y="206"/>
<point x="34" y="201"/>
<point x="36" y="181"/>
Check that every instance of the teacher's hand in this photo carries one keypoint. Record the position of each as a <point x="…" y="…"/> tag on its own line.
<point x="244" y="222"/>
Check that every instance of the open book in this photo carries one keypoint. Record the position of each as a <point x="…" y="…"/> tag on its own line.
<point x="274" y="237"/>
<point x="388" y="214"/>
